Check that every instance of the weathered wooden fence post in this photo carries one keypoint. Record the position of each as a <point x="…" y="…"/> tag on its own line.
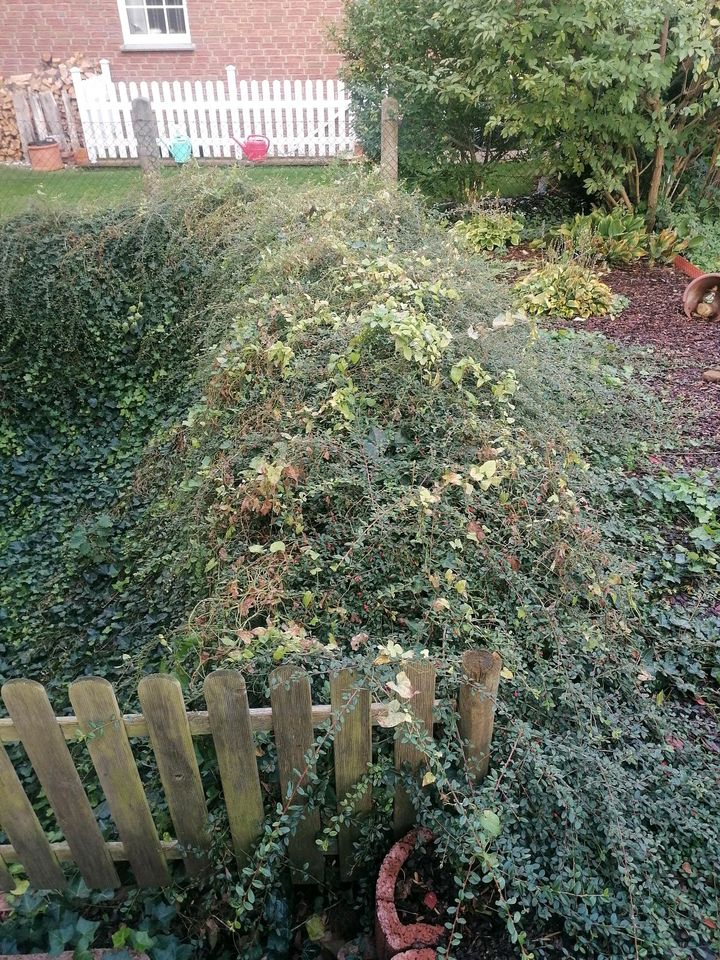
<point x="145" y="128"/>
<point x="389" y="131"/>
<point x="476" y="703"/>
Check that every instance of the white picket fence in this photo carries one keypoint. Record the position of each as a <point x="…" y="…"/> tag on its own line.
<point x="309" y="118"/>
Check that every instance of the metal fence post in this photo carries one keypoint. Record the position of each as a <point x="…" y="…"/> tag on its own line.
<point x="389" y="129"/>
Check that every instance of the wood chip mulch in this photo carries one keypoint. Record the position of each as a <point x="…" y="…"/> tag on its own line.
<point x="655" y="319"/>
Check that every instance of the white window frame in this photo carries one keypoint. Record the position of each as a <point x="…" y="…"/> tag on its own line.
<point x="154" y="41"/>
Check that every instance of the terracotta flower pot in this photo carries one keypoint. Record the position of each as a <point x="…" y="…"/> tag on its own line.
<point x="393" y="938"/>
<point x="45" y="155"/>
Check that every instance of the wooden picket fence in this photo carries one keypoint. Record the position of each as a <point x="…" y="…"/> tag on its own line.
<point x="301" y="118"/>
<point x="170" y="727"/>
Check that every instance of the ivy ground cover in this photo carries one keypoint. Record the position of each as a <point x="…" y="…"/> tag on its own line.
<point x="241" y="428"/>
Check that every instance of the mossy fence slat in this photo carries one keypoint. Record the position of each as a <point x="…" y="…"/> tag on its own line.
<point x="95" y="705"/>
<point x="170" y="728"/>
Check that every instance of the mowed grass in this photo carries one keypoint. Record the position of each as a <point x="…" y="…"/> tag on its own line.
<point x="21" y="188"/>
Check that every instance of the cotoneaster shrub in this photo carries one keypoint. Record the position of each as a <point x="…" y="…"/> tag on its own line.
<point x="352" y="467"/>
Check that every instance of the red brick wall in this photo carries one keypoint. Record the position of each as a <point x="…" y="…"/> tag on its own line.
<point x="276" y="39"/>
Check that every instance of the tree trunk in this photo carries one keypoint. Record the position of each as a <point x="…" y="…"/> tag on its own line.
<point x="659" y="159"/>
<point x="654" y="191"/>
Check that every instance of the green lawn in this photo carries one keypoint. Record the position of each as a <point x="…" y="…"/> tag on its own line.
<point x="21" y="188"/>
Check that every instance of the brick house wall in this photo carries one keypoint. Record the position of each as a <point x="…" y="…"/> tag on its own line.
<point x="273" y="39"/>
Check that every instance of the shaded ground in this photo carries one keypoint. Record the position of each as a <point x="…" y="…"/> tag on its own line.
<point x="425" y="890"/>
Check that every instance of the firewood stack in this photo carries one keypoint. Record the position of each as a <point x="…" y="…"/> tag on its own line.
<point x="52" y="77"/>
<point x="10" y="148"/>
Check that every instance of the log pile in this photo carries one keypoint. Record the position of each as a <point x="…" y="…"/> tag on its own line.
<point x="31" y="95"/>
<point x="10" y="148"/>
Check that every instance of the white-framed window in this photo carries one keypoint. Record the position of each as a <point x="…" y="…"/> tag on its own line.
<point x="154" y="23"/>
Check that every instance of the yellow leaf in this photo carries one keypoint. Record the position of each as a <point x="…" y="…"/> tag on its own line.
<point x="506" y="674"/>
<point x="20" y="888"/>
<point x="402" y="686"/>
<point x="428" y="779"/>
<point x="394" y="716"/>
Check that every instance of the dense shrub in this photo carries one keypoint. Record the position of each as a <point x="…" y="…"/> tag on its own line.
<point x="608" y="90"/>
<point x="358" y="460"/>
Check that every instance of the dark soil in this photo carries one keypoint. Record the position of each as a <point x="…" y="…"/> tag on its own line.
<point x="655" y="319"/>
<point x="426" y="888"/>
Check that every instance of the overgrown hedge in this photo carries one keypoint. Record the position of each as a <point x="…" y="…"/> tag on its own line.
<point x="287" y="430"/>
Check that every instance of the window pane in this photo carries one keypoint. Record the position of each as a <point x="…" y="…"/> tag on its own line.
<point x="176" y="20"/>
<point x="156" y="20"/>
<point x="134" y="3"/>
<point x="173" y="3"/>
<point x="136" y="20"/>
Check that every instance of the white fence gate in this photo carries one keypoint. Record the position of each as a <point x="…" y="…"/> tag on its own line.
<point x="309" y="118"/>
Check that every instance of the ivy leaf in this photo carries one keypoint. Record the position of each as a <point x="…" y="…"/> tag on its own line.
<point x="315" y="927"/>
<point x="490" y="823"/>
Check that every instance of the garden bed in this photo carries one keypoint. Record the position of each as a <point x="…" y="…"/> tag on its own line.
<point x="655" y="319"/>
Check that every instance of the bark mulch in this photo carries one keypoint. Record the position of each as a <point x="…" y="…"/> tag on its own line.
<point x="655" y="319"/>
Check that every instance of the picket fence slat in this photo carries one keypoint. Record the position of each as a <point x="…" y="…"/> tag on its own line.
<point x="348" y="722"/>
<point x="301" y="118"/>
<point x="292" y="705"/>
<point x="352" y="753"/>
<point x="163" y="706"/>
<point x="23" y="828"/>
<point x="94" y="702"/>
<point x="28" y="705"/>
<point x="476" y="706"/>
<point x="422" y="680"/>
<point x="227" y="702"/>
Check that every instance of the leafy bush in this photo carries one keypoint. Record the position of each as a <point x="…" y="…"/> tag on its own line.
<point x="701" y="227"/>
<point x="493" y="230"/>
<point x="314" y="448"/>
<point x="441" y="181"/>
<point x="617" y="237"/>
<point x="621" y="238"/>
<point x="563" y="290"/>
<point x="609" y="90"/>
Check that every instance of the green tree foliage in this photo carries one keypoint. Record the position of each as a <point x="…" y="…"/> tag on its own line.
<point x="624" y="93"/>
<point x="383" y="56"/>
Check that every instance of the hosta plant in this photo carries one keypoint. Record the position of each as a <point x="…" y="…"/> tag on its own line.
<point x="493" y="230"/>
<point x="618" y="237"/>
<point x="563" y="290"/>
<point x="665" y="245"/>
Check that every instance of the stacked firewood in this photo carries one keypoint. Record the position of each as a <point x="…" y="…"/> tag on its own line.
<point x="10" y="148"/>
<point x="52" y="76"/>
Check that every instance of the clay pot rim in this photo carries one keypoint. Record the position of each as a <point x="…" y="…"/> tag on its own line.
<point x="43" y="144"/>
<point x="394" y="937"/>
<point x="709" y="279"/>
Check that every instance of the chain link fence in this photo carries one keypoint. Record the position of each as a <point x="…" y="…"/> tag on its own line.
<point x="55" y="178"/>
